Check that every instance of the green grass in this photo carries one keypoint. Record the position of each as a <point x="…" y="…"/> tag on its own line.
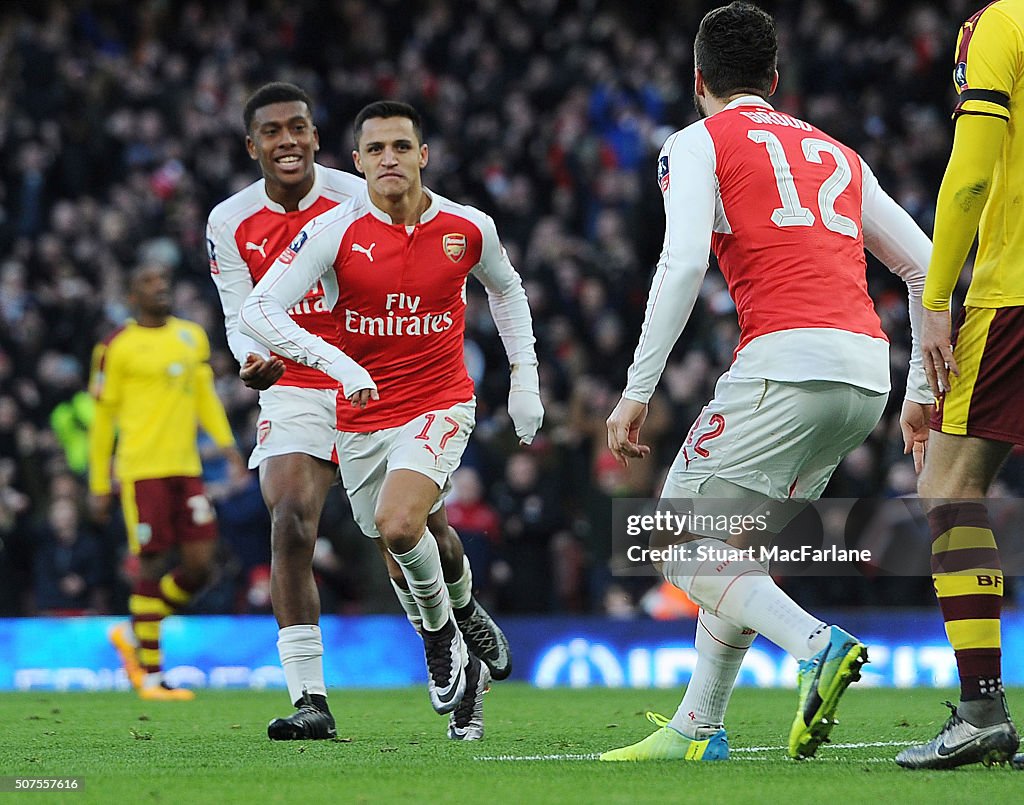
<point x="392" y="748"/>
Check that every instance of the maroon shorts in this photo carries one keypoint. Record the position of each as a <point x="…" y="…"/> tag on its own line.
<point x="160" y="513"/>
<point x="985" y="399"/>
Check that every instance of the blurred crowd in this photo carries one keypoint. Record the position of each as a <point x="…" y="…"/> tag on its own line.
<point x="120" y="125"/>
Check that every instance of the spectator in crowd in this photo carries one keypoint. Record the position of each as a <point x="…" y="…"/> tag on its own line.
<point x="67" y="564"/>
<point x="123" y="122"/>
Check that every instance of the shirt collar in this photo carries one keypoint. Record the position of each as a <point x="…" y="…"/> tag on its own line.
<point x="306" y="201"/>
<point x="748" y="100"/>
<point x="428" y="214"/>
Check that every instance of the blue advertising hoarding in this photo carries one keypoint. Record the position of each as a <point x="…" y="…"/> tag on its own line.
<point x="907" y="649"/>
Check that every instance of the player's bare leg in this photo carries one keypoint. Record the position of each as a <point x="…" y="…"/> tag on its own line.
<point x="295" y="486"/>
<point x="403" y="505"/>
<point x="483" y="636"/>
<point x="956" y="477"/>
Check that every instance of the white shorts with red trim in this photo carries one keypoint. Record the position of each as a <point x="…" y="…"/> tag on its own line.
<point x="294" y="419"/>
<point x="432" y="444"/>
<point x="777" y="439"/>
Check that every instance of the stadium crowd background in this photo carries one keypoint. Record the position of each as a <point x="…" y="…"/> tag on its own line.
<point x="120" y="128"/>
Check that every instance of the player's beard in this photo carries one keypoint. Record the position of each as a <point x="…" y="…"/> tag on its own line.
<point x="698" y="105"/>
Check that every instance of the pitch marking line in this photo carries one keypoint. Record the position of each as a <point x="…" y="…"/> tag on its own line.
<point x="737" y="750"/>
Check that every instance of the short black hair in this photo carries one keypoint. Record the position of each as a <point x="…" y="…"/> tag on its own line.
<point x="387" y="109"/>
<point x="275" y="92"/>
<point x="736" y="50"/>
<point x="136" y="273"/>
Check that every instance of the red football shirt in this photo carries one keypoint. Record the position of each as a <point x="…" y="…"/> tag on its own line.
<point x="398" y="295"/>
<point x="792" y="252"/>
<point x="245" y="234"/>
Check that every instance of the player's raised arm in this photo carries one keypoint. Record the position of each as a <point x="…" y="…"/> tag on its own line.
<point x="511" y="312"/>
<point x="686" y="172"/>
<point x="264" y="314"/>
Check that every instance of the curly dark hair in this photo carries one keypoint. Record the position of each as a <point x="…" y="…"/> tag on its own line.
<point x="736" y="49"/>
<point x="274" y="92"/>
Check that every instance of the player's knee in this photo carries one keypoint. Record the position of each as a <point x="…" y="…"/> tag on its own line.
<point x="706" y="569"/>
<point x="293" y="525"/>
<point x="399" y="529"/>
<point x="934" y="485"/>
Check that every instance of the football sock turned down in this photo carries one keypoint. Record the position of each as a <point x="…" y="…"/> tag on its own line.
<point x="742" y="593"/>
<point x="969" y="585"/>
<point x="721" y="648"/>
<point x="422" y="569"/>
<point x="301" y="648"/>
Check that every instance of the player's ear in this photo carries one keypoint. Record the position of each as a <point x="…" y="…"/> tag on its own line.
<point x="424" y="156"/>
<point x="250" y="146"/>
<point x="698" y="83"/>
<point x="775" y="83"/>
<point x="316" y="139"/>
<point x="358" y="162"/>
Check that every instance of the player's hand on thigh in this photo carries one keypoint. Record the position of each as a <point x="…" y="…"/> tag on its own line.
<point x="914" y="422"/>
<point x="624" y="425"/>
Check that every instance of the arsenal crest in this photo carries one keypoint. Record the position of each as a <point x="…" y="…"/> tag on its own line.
<point x="454" y="246"/>
<point x="262" y="431"/>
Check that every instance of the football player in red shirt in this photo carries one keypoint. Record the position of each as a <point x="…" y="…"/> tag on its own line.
<point x="788" y="212"/>
<point x="393" y="264"/>
<point x="295" y="449"/>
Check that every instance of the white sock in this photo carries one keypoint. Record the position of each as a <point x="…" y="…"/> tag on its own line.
<point x="422" y="569"/>
<point x="721" y="648"/>
<point x="741" y="592"/>
<point x="301" y="648"/>
<point x="460" y="592"/>
<point x="412" y="609"/>
<point x="758" y="602"/>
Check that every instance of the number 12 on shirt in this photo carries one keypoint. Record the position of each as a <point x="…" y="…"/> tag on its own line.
<point x="793" y="212"/>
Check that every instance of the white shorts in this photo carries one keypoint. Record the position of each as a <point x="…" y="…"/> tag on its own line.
<point x="432" y="444"/>
<point x="295" y="420"/>
<point x="780" y="440"/>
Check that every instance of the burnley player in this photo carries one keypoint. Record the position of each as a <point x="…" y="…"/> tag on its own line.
<point x="296" y="427"/>
<point x="394" y="263"/>
<point x="788" y="211"/>
<point x="153" y="386"/>
<point x="979" y="420"/>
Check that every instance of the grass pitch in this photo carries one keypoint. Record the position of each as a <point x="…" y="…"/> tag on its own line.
<point x="391" y="747"/>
